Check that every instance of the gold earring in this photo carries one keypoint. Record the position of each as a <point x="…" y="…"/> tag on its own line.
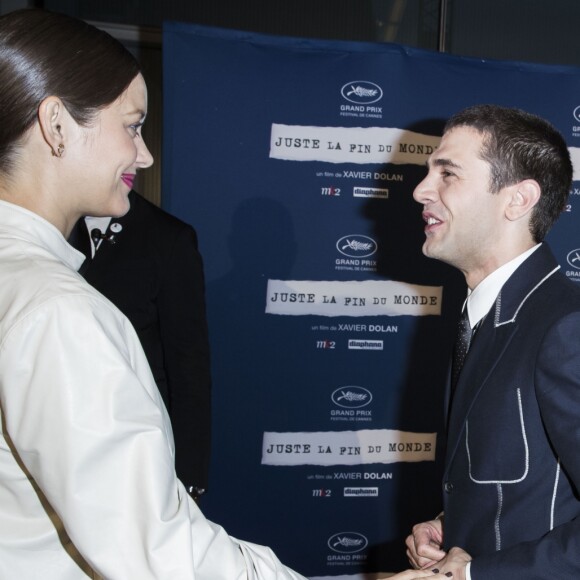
<point x="59" y="150"/>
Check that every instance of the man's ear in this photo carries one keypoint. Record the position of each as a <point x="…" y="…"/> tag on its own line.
<point x="524" y="197"/>
<point x="52" y="118"/>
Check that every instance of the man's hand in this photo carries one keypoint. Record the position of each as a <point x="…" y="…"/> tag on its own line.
<point x="452" y="566"/>
<point x="414" y="574"/>
<point x="454" y="563"/>
<point x="424" y="544"/>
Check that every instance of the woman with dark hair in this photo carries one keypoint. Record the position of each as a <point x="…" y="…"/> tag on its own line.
<point x="87" y="479"/>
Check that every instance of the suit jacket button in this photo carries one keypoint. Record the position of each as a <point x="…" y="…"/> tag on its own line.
<point x="448" y="487"/>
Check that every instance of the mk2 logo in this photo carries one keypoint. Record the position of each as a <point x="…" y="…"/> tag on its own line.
<point x="332" y="191"/>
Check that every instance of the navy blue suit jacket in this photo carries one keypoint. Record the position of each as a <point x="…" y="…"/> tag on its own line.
<point x="153" y="273"/>
<point x="512" y="469"/>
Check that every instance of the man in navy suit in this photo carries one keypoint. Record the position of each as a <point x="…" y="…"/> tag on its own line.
<point x="495" y="186"/>
<point x="147" y="263"/>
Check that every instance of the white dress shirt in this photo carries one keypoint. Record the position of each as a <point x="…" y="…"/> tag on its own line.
<point x="481" y="299"/>
<point x="87" y="480"/>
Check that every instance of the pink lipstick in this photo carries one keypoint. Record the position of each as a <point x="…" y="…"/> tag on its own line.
<point x="128" y="179"/>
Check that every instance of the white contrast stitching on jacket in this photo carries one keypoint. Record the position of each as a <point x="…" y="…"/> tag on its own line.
<point x="524" y="436"/>
<point x="523" y="301"/>
<point x="497" y="517"/>
<point x="554" y="494"/>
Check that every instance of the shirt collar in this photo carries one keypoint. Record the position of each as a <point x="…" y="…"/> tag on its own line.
<point x="26" y="225"/>
<point x="481" y="299"/>
<point x="102" y="224"/>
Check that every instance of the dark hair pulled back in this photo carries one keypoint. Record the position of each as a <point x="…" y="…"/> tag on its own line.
<point x="48" y="54"/>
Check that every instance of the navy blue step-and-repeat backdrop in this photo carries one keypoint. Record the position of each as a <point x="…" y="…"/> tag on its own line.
<point x="296" y="160"/>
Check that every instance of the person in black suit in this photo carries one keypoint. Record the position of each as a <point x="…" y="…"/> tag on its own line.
<point x="147" y="263"/>
<point x="510" y="491"/>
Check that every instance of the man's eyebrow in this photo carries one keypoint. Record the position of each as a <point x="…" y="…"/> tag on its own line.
<point x="441" y="162"/>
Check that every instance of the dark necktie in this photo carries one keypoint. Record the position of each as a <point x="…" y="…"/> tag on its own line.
<point x="462" y="342"/>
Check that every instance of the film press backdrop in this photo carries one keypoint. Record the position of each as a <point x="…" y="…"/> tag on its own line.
<point x="295" y="160"/>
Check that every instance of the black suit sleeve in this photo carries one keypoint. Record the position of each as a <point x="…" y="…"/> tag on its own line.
<point x="184" y="338"/>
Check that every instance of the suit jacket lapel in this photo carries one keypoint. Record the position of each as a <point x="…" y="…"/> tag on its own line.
<point x="493" y="338"/>
<point x="484" y="355"/>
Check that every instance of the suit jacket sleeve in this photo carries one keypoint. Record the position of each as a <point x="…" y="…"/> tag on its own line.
<point x="184" y="338"/>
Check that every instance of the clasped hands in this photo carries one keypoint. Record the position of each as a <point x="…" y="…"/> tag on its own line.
<point x="428" y="559"/>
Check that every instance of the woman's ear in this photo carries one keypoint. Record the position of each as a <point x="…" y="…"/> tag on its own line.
<point x="52" y="118"/>
<point x="525" y="196"/>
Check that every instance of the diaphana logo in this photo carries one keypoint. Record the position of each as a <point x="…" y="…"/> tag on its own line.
<point x="347" y="542"/>
<point x="573" y="258"/>
<point x="576" y="113"/>
<point x="356" y="246"/>
<point x="362" y="92"/>
<point x="361" y="492"/>
<point x="351" y="397"/>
